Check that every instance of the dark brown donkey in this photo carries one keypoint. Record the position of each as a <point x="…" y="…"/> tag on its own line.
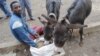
<point x="77" y="14"/>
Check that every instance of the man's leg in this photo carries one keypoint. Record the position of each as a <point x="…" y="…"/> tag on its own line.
<point x="1" y="16"/>
<point x="6" y="9"/>
<point x="22" y="2"/>
<point x="29" y="9"/>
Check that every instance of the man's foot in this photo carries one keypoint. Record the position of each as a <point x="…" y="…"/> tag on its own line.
<point x="1" y="17"/>
<point x="7" y="17"/>
<point x="31" y="19"/>
<point x="81" y="44"/>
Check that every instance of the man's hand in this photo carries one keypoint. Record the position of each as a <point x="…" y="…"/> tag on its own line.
<point x="36" y="35"/>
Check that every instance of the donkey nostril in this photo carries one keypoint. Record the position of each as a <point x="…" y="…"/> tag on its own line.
<point x="58" y="52"/>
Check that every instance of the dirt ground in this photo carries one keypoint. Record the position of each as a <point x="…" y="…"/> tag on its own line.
<point x="91" y="45"/>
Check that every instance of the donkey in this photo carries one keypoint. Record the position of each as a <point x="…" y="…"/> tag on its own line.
<point x="78" y="12"/>
<point x="49" y="24"/>
<point x="53" y="9"/>
<point x="53" y="6"/>
<point x="62" y="33"/>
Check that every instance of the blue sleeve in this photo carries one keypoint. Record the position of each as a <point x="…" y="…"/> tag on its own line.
<point x="24" y="36"/>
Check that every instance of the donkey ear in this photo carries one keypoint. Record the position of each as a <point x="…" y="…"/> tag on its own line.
<point x="43" y="21"/>
<point x="75" y="26"/>
<point x="63" y="21"/>
<point x="46" y="17"/>
<point x="52" y="21"/>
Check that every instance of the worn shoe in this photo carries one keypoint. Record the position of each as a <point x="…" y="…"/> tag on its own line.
<point x="1" y="17"/>
<point x="7" y="17"/>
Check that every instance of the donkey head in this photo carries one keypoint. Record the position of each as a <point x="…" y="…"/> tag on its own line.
<point x="62" y="32"/>
<point x="49" y="23"/>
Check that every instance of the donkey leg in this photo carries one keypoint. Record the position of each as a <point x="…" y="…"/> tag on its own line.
<point x="81" y="36"/>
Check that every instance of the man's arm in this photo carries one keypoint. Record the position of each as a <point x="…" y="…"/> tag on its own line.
<point x="22" y="34"/>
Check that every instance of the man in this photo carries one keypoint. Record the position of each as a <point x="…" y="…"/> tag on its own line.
<point x="26" y="4"/>
<point x="5" y="8"/>
<point x="19" y="27"/>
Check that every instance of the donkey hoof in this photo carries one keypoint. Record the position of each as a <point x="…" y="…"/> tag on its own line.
<point x="81" y="44"/>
